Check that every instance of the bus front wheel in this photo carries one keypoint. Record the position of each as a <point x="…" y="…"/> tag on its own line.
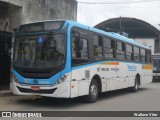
<point x="93" y="92"/>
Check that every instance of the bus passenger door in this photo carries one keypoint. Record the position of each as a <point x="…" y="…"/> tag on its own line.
<point x="80" y="56"/>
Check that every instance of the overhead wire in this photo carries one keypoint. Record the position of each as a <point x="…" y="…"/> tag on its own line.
<point x="120" y="2"/>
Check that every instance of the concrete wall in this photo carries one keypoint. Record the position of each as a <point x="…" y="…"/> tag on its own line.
<point x="50" y="9"/>
<point x="16" y="12"/>
<point x="3" y="17"/>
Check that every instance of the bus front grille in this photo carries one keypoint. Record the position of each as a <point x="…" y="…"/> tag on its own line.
<point x="25" y="90"/>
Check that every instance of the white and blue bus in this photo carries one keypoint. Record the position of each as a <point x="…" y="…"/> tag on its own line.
<point x="65" y="59"/>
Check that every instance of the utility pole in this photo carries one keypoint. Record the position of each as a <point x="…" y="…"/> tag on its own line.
<point x="120" y="25"/>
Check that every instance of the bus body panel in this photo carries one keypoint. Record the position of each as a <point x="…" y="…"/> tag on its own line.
<point x="108" y="74"/>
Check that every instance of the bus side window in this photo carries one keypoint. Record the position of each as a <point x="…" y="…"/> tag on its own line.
<point x="148" y="56"/>
<point x="97" y="47"/>
<point x="129" y="52"/>
<point x="143" y="55"/>
<point x="120" y="51"/>
<point x="74" y="47"/>
<point x="80" y="53"/>
<point x="108" y="47"/>
<point x="136" y="54"/>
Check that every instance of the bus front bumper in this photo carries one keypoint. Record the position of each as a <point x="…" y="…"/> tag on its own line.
<point x="58" y="91"/>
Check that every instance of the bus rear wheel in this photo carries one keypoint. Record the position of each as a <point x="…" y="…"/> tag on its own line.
<point x="136" y="85"/>
<point x="93" y="92"/>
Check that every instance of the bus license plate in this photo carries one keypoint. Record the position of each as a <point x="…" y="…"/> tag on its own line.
<point x="35" y="88"/>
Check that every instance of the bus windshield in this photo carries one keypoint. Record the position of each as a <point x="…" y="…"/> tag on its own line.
<point x="156" y="65"/>
<point x="39" y="52"/>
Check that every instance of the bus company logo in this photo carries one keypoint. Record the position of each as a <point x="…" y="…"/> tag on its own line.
<point x="115" y="69"/>
<point x="132" y="68"/>
<point x="6" y="114"/>
<point x="40" y="40"/>
<point x="35" y="81"/>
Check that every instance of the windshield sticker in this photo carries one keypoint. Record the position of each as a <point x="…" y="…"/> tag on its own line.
<point x="40" y="40"/>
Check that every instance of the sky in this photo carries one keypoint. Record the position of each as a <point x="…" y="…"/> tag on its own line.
<point x="92" y="14"/>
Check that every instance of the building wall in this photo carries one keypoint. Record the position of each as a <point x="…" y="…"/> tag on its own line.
<point x="148" y="42"/>
<point x="16" y="12"/>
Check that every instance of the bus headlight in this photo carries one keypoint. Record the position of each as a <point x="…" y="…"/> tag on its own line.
<point x="15" y="79"/>
<point x="62" y="79"/>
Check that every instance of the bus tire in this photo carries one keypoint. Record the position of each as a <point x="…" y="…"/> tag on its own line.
<point x="136" y="85"/>
<point x="93" y="92"/>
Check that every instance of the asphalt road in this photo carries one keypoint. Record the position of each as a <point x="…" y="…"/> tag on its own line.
<point x="146" y="99"/>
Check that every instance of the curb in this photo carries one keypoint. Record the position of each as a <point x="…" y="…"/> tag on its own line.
<point x="5" y="93"/>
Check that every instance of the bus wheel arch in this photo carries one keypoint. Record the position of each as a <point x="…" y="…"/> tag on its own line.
<point x="136" y="83"/>
<point x="139" y="78"/>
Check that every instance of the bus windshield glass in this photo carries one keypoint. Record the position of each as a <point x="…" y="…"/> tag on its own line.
<point x="156" y="65"/>
<point x="39" y="52"/>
